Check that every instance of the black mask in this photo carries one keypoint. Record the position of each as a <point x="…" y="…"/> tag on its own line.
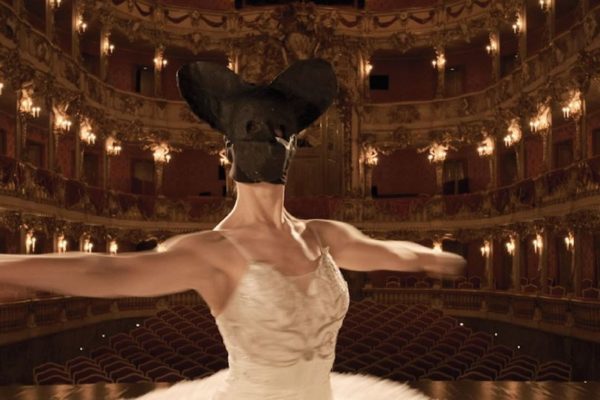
<point x="260" y="123"/>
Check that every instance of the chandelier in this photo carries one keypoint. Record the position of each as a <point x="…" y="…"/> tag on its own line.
<point x="85" y="133"/>
<point x="573" y="108"/>
<point x="541" y="122"/>
<point x="113" y="146"/>
<point x="486" y="148"/>
<point x="514" y="133"/>
<point x="437" y="152"/>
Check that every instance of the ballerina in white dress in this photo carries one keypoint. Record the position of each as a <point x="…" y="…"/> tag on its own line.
<point x="271" y="281"/>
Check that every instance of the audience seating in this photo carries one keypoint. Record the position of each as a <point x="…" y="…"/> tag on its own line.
<point x="397" y="342"/>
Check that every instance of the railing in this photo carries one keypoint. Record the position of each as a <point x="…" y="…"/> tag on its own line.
<point x="25" y="319"/>
<point x="564" y="316"/>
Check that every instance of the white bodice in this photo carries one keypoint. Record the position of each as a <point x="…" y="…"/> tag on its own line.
<point x="280" y="332"/>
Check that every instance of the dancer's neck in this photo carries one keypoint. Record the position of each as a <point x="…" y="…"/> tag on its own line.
<point x="260" y="204"/>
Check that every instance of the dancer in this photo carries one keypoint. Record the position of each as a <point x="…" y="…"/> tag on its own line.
<point x="270" y="280"/>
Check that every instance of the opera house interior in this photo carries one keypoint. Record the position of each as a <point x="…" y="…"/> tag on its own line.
<point x="470" y="126"/>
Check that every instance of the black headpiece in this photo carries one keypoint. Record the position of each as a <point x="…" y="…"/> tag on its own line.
<point x="260" y="123"/>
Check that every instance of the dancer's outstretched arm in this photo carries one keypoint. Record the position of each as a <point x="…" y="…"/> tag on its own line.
<point x="169" y="269"/>
<point x="354" y="250"/>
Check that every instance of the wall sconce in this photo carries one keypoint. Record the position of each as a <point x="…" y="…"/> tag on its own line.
<point x="439" y="61"/>
<point x="80" y="25"/>
<point x="61" y="244"/>
<point x="538" y="244"/>
<point x="570" y="241"/>
<point x="437" y="246"/>
<point x="223" y="160"/>
<point x="30" y="240"/>
<point x="1" y="87"/>
<point x="545" y="5"/>
<point x="573" y="109"/>
<point x="160" y="62"/>
<point x="492" y="47"/>
<point x="107" y="47"/>
<point x="55" y="4"/>
<point x="113" y="247"/>
<point x="370" y="156"/>
<point x="88" y="246"/>
<point x="541" y="122"/>
<point x="62" y="123"/>
<point x="26" y="105"/>
<point x="486" y="148"/>
<point x="510" y="246"/>
<point x="518" y="25"/>
<point x="514" y="133"/>
<point x="437" y="153"/>
<point x="85" y="133"/>
<point x="161" y="152"/>
<point x="486" y="249"/>
<point x="368" y="68"/>
<point x="113" y="146"/>
<point x="230" y="64"/>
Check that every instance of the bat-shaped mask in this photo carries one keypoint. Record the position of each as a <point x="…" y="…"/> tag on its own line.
<point x="260" y="123"/>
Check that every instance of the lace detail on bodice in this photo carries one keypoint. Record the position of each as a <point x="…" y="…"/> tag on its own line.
<point x="270" y="320"/>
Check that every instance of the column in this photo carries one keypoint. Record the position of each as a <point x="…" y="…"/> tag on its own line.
<point x="520" y="152"/>
<point x="581" y="138"/>
<point x="76" y="13"/>
<point x="105" y="168"/>
<point x="551" y="20"/>
<point x="158" y="177"/>
<point x="522" y="10"/>
<point x="50" y="29"/>
<point x="439" y="177"/>
<point x="78" y="153"/>
<point x="159" y="56"/>
<point x="577" y="260"/>
<point x="441" y="72"/>
<point x="52" y="138"/>
<point x="493" y="165"/>
<point x="495" y="54"/>
<point x="543" y="260"/>
<point x="516" y="263"/>
<point x="104" y="51"/>
<point x="20" y="129"/>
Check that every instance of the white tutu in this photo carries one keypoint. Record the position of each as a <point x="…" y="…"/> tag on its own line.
<point x="345" y="387"/>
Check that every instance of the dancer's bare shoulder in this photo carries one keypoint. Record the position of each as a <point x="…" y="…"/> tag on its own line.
<point x="208" y="246"/>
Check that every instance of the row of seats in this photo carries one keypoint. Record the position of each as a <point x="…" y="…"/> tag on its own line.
<point x="397" y="342"/>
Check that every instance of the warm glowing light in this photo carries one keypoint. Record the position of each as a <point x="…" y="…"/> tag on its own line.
<point x="223" y="160"/>
<point x="30" y="240"/>
<point x="492" y="47"/>
<point x="514" y="133"/>
<point x="107" y="47"/>
<point x="510" y="246"/>
<point x="541" y="122"/>
<point x="160" y="62"/>
<point x="486" y="249"/>
<point x="161" y="247"/>
<point x="538" y="244"/>
<point x="61" y="244"/>
<point x="368" y="67"/>
<point x="55" y="3"/>
<point x="85" y="133"/>
<point x="574" y="106"/>
<point x="61" y="122"/>
<point x="1" y="87"/>
<point x="113" y="146"/>
<point x="437" y="246"/>
<point x="26" y="105"/>
<point x="545" y="4"/>
<point x="437" y="152"/>
<point x="161" y="152"/>
<point x="113" y="247"/>
<point x="486" y="148"/>
<point x="518" y="25"/>
<point x="88" y="246"/>
<point x="230" y="64"/>
<point x="440" y="60"/>
<point x="81" y="25"/>
<point x="371" y="157"/>
<point x="570" y="241"/>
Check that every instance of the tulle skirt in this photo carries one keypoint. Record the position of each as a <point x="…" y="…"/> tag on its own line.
<point x="344" y="387"/>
